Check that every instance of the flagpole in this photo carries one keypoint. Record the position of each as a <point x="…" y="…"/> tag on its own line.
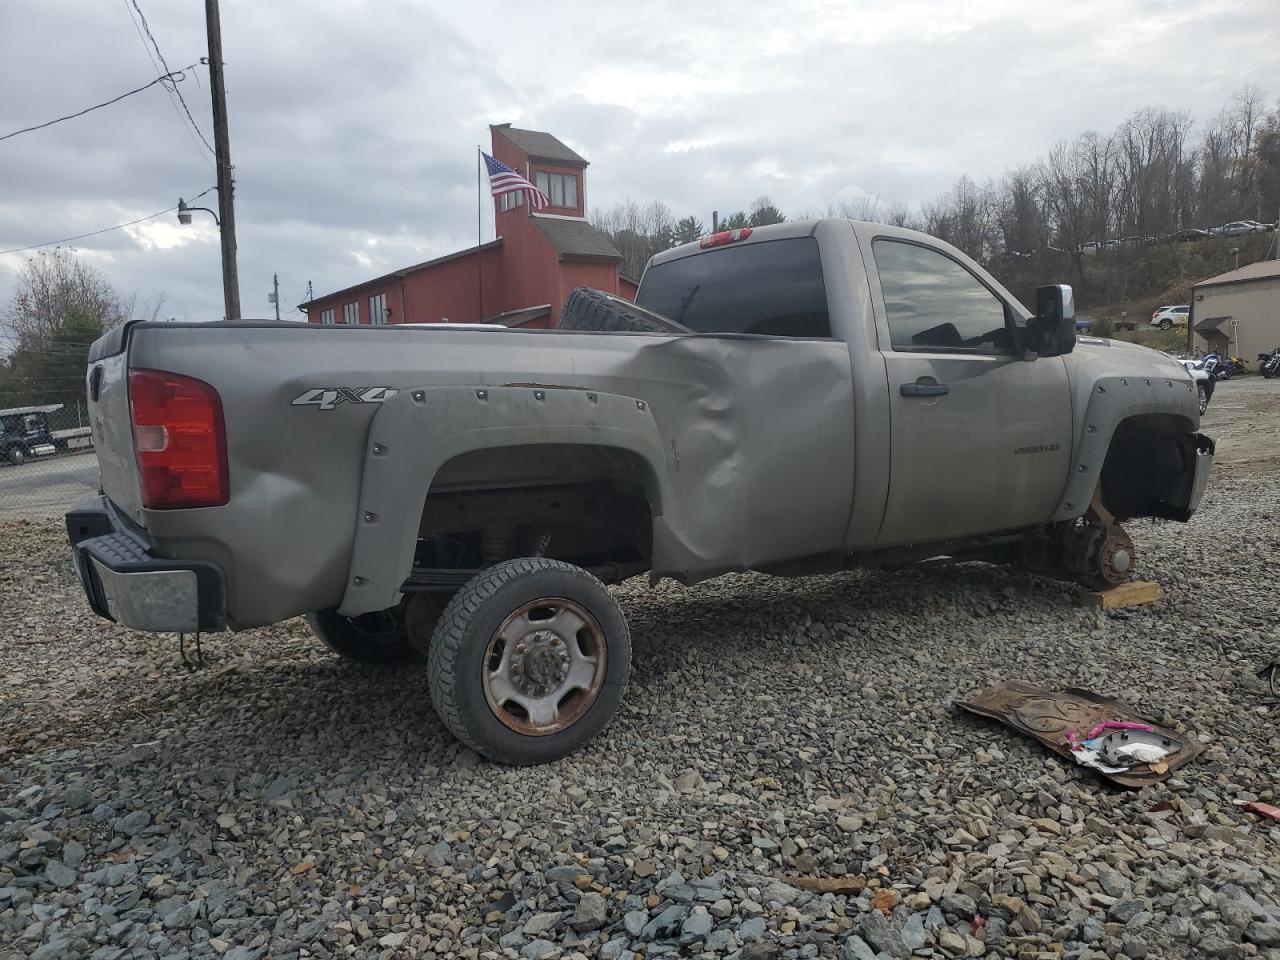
<point x="479" y="254"/>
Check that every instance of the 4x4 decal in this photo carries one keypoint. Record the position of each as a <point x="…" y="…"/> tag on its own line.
<point x="326" y="398"/>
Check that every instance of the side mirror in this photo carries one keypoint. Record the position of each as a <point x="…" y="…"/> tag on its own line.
<point x="1053" y="328"/>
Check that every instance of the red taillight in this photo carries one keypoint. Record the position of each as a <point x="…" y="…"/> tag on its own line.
<point x="180" y="440"/>
<point x="724" y="236"/>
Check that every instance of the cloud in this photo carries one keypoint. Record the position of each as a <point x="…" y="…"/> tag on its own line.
<point x="354" y="123"/>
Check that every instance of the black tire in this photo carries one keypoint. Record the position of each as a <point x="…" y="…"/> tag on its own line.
<point x="17" y="456"/>
<point x="1202" y="391"/>
<point x="369" y="638"/>
<point x="1166" y="324"/>
<point x="591" y="309"/>
<point x="462" y="657"/>
<point x="421" y="617"/>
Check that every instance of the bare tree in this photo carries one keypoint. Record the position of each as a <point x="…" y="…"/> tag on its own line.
<point x="53" y="285"/>
<point x="763" y="212"/>
<point x="865" y="207"/>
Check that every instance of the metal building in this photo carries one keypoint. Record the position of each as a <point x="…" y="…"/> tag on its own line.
<point x="1237" y="314"/>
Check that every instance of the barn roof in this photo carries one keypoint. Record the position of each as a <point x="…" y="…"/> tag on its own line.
<point x="537" y="145"/>
<point x="573" y="237"/>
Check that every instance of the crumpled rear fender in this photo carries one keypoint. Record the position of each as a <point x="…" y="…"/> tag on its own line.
<point x="419" y="430"/>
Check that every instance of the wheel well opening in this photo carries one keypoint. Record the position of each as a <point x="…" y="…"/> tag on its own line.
<point x="587" y="505"/>
<point x="1145" y="471"/>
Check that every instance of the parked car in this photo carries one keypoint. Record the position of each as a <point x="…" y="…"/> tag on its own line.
<point x="1091" y="248"/>
<point x="1203" y="380"/>
<point x="1239" y="228"/>
<point x="1191" y="233"/>
<point x="803" y="397"/>
<point x="1168" y="317"/>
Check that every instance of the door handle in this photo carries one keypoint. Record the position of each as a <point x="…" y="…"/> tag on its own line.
<point x="925" y="387"/>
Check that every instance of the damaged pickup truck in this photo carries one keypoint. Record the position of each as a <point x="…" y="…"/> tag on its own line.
<point x="795" y="399"/>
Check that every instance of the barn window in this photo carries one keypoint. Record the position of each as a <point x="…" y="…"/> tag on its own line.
<point x="560" y="188"/>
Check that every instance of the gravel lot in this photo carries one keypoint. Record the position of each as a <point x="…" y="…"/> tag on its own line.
<point x="278" y="803"/>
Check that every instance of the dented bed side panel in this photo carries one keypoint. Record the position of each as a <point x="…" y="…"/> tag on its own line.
<point x="752" y="442"/>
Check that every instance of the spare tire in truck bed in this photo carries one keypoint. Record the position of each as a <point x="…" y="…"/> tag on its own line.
<point x="591" y="309"/>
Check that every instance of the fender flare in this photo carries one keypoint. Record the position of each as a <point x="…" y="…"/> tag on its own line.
<point x="419" y="430"/>
<point x="1112" y="400"/>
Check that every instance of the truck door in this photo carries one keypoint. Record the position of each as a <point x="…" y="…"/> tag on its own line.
<point x="980" y="438"/>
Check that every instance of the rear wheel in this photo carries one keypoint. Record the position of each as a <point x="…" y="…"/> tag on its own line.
<point x="17" y="456"/>
<point x="1203" y="393"/>
<point x="1166" y="324"/>
<point x="378" y="637"/>
<point x="529" y="660"/>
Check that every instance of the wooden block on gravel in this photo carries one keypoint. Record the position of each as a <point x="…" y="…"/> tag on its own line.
<point x="1132" y="594"/>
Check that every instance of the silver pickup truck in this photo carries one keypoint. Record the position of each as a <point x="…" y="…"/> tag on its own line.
<point x="795" y="399"/>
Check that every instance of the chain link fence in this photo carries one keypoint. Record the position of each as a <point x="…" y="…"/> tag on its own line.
<point x="47" y="460"/>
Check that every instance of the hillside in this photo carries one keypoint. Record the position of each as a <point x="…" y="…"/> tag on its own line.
<point x="1131" y="282"/>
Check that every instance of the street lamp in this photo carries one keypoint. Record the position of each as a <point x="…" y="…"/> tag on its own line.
<point x="184" y="213"/>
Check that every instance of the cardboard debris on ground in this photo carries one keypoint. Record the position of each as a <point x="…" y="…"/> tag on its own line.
<point x="1050" y="715"/>
<point x="842" y="886"/>
<point x="1263" y="809"/>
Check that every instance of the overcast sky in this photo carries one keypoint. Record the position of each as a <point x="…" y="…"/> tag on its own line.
<point x="354" y="124"/>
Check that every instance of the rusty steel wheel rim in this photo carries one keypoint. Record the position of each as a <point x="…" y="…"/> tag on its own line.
<point x="544" y="666"/>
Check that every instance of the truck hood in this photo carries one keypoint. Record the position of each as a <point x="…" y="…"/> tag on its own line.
<point x="1100" y="357"/>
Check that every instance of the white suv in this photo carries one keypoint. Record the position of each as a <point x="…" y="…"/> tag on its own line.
<point x="1166" y="317"/>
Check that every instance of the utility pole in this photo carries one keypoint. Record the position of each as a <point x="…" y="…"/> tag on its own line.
<point x="222" y="155"/>
<point x="275" y="293"/>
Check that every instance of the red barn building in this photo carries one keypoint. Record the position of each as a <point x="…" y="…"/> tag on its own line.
<point x="520" y="279"/>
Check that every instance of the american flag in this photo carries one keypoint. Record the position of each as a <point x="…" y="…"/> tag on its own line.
<point x="502" y="179"/>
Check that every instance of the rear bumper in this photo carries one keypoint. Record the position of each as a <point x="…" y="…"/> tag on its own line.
<point x="125" y="582"/>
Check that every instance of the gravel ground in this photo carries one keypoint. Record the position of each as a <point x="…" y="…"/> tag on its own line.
<point x="778" y="736"/>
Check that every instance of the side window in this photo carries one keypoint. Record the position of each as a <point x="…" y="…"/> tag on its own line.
<point x="934" y="303"/>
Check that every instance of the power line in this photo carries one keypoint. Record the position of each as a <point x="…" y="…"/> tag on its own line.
<point x="147" y="27"/>
<point x="174" y="76"/>
<point x="50" y="243"/>
<point x="188" y="124"/>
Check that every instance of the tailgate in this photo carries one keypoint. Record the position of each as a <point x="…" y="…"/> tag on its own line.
<point x="112" y="431"/>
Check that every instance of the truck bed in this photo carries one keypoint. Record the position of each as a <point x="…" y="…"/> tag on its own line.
<point x="727" y="419"/>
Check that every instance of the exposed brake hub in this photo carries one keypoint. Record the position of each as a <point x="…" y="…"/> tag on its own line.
<point x="1095" y="549"/>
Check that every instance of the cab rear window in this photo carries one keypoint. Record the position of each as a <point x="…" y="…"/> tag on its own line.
<point x="772" y="289"/>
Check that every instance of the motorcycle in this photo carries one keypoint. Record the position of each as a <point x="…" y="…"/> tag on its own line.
<point x="1269" y="363"/>
<point x="1222" y="368"/>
